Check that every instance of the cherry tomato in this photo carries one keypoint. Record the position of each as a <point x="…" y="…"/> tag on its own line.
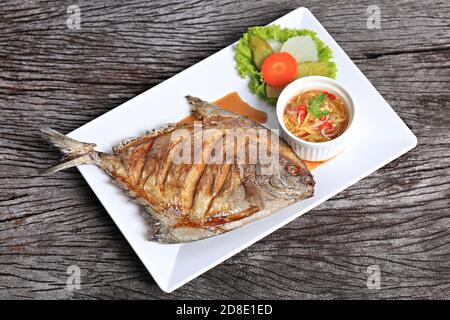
<point x="279" y="69"/>
<point x="330" y="96"/>
<point x="326" y="125"/>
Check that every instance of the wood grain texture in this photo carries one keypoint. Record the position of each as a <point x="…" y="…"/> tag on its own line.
<point x="397" y="218"/>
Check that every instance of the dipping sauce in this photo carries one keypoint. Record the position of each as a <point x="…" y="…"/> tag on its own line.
<point x="316" y="116"/>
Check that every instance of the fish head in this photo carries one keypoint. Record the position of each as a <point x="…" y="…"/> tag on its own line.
<point x="287" y="178"/>
<point x="294" y="174"/>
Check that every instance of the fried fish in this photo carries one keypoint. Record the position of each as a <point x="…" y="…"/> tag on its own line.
<point x="197" y="181"/>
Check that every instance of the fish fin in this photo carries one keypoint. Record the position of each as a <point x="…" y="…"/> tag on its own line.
<point x="69" y="163"/>
<point x="254" y="194"/>
<point x="65" y="144"/>
<point x="204" y="109"/>
<point x="75" y="152"/>
<point x="149" y="135"/>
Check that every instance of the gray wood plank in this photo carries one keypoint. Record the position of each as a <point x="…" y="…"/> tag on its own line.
<point x="397" y="218"/>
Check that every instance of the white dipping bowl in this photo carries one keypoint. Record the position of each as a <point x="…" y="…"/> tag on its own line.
<point x="316" y="151"/>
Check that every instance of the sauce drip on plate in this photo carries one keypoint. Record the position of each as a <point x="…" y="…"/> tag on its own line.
<point x="311" y="165"/>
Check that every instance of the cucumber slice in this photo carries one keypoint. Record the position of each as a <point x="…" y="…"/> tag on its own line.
<point x="273" y="92"/>
<point x="314" y="69"/>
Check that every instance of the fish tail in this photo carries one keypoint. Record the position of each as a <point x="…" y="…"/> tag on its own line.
<point x="75" y="152"/>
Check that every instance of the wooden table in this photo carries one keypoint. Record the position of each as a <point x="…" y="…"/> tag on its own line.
<point x="398" y="218"/>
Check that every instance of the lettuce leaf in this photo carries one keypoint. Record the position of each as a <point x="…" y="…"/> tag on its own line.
<point x="245" y="66"/>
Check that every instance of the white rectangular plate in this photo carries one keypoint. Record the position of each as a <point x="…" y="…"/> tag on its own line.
<point x="174" y="265"/>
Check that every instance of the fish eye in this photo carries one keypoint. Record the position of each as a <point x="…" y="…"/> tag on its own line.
<point x="293" y="169"/>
